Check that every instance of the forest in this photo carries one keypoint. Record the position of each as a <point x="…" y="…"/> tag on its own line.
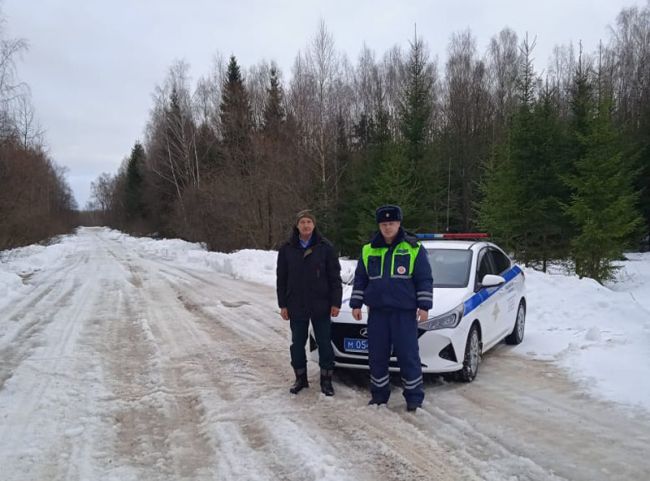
<point x="36" y="202"/>
<point x="553" y="160"/>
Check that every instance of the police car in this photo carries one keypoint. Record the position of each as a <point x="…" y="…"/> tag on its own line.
<point x="478" y="301"/>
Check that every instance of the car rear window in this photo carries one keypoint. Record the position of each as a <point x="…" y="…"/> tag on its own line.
<point x="450" y="267"/>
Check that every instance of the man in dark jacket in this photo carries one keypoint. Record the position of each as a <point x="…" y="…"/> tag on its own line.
<point x="393" y="278"/>
<point x="309" y="287"/>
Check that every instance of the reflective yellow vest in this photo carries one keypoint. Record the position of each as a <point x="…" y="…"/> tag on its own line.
<point x="402" y="262"/>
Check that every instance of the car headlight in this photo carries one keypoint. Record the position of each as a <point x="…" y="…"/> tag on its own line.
<point x="448" y="320"/>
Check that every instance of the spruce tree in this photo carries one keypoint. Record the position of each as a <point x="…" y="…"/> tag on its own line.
<point x="522" y="190"/>
<point x="415" y="107"/>
<point x="272" y="153"/>
<point x="639" y="141"/>
<point x="500" y="199"/>
<point x="391" y="182"/>
<point x="547" y="225"/>
<point x="133" y="190"/>
<point x="507" y="188"/>
<point x="273" y="113"/>
<point x="414" y="114"/>
<point x="332" y="218"/>
<point x="603" y="204"/>
<point x="354" y="205"/>
<point x="236" y="120"/>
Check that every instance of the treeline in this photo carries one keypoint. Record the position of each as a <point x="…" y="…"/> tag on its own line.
<point x="35" y="201"/>
<point x="554" y="164"/>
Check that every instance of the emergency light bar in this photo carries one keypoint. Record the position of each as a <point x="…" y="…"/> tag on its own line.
<point x="453" y="236"/>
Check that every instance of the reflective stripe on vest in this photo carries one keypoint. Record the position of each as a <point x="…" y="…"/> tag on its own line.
<point x="402" y="249"/>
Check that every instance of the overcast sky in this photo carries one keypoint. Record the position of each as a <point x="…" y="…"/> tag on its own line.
<point x="92" y="65"/>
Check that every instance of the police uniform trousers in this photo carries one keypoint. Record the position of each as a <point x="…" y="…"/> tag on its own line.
<point x="398" y="329"/>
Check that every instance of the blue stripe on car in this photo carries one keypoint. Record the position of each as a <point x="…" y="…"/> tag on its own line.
<point x="481" y="296"/>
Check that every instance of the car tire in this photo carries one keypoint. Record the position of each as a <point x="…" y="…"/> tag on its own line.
<point x="517" y="334"/>
<point x="472" y="356"/>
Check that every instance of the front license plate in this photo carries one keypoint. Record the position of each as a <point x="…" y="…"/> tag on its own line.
<point x="355" y="345"/>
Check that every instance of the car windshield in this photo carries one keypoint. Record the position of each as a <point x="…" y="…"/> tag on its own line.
<point x="450" y="267"/>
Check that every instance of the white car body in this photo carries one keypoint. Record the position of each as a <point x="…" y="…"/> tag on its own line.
<point x="496" y="310"/>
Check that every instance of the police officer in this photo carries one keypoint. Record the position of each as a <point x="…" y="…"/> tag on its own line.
<point x="393" y="278"/>
<point x="309" y="287"/>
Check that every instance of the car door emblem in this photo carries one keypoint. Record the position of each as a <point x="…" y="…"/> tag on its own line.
<point x="364" y="332"/>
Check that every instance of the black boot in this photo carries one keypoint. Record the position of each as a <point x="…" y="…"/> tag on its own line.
<point x="301" y="381"/>
<point x="326" y="382"/>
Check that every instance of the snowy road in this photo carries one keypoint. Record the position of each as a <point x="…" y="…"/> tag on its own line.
<point x="117" y="364"/>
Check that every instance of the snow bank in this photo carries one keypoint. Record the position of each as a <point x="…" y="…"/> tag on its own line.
<point x="251" y="265"/>
<point x="17" y="266"/>
<point x="10" y="286"/>
<point x="599" y="335"/>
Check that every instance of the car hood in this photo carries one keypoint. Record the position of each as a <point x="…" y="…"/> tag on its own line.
<point x="444" y="299"/>
<point x="447" y="298"/>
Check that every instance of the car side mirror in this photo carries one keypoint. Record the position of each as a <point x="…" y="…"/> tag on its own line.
<point x="490" y="280"/>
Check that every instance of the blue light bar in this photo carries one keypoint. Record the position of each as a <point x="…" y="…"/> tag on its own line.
<point x="454" y="236"/>
<point x="429" y="236"/>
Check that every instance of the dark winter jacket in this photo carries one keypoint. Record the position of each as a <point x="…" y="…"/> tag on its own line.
<point x="308" y="280"/>
<point x="402" y="281"/>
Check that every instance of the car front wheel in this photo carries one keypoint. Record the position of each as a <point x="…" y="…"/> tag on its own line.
<point x="472" y="356"/>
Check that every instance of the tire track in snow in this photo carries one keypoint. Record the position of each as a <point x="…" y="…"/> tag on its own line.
<point x="31" y="316"/>
<point x="531" y="409"/>
<point x="156" y="420"/>
<point x="48" y="354"/>
<point x="493" y="459"/>
<point x="193" y="374"/>
<point x="301" y="426"/>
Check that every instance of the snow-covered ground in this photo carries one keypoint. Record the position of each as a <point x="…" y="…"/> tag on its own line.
<point x="600" y="335"/>
<point x="131" y="358"/>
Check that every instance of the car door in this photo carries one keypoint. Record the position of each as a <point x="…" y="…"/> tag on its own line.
<point x="506" y="296"/>
<point x="489" y="309"/>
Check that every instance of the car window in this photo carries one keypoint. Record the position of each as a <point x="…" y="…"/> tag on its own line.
<point x="485" y="265"/>
<point x="450" y="267"/>
<point x="500" y="260"/>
